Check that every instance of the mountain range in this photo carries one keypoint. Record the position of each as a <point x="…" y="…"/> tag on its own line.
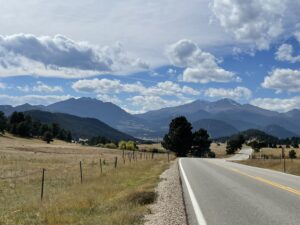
<point x="221" y="118"/>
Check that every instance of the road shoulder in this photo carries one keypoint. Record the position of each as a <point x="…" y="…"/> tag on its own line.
<point x="169" y="208"/>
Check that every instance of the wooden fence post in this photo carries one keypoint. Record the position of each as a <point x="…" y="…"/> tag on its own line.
<point x="80" y="164"/>
<point x="100" y="161"/>
<point x="42" y="188"/>
<point x="116" y="162"/>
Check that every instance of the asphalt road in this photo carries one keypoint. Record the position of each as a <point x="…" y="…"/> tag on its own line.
<point x="220" y="192"/>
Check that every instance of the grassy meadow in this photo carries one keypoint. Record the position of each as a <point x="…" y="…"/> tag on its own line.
<point x="273" y="160"/>
<point x="115" y="196"/>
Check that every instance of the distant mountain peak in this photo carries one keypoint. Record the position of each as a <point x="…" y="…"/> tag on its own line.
<point x="228" y="101"/>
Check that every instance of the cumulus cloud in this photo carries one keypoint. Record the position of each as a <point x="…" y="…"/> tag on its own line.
<point x="2" y="85"/>
<point x="277" y="104"/>
<point x="285" y="53"/>
<point x="109" y="98"/>
<point x="60" y="56"/>
<point x="32" y="99"/>
<point x="283" y="80"/>
<point x="40" y="87"/>
<point x="235" y="93"/>
<point x="257" y="22"/>
<point x="201" y="67"/>
<point x="114" y="86"/>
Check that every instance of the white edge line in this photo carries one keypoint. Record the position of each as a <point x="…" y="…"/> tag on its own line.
<point x="199" y="215"/>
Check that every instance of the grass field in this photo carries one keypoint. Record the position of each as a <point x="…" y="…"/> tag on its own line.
<point x="273" y="160"/>
<point x="219" y="150"/>
<point x="115" y="196"/>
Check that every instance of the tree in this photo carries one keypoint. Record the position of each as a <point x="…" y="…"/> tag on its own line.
<point x="122" y="145"/>
<point x="69" y="136"/>
<point x="3" y="122"/>
<point x="179" y="138"/>
<point x="55" y="129"/>
<point x="234" y="144"/>
<point x="48" y="137"/>
<point x="201" y="143"/>
<point x="292" y="154"/>
<point x="131" y="145"/>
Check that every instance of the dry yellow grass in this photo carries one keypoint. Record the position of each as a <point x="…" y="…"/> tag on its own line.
<point x="273" y="160"/>
<point x="102" y="198"/>
<point x="219" y="150"/>
<point x="150" y="147"/>
<point x="292" y="166"/>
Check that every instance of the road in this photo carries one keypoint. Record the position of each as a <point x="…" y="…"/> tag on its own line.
<point x="219" y="192"/>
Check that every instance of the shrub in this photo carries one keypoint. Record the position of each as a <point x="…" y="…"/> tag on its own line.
<point x="212" y="155"/>
<point x="110" y="145"/>
<point x="292" y="154"/>
<point x="142" y="198"/>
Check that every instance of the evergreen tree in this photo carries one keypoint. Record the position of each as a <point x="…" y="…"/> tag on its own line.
<point x="179" y="138"/>
<point x="201" y="143"/>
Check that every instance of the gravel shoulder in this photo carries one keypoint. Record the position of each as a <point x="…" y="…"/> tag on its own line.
<point x="169" y="208"/>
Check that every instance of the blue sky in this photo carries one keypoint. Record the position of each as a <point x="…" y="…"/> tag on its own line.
<point x="145" y="55"/>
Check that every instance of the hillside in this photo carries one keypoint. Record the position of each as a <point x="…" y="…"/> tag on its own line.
<point x="252" y="134"/>
<point x="80" y="127"/>
<point x="154" y="124"/>
<point x="215" y="128"/>
<point x="279" y="131"/>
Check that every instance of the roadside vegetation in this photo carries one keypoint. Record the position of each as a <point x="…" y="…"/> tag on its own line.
<point x="115" y="194"/>
<point x="24" y="126"/>
<point x="183" y="142"/>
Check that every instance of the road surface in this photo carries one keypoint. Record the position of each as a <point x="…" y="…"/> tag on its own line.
<point x="219" y="192"/>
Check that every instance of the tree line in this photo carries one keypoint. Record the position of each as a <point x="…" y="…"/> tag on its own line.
<point x="183" y="141"/>
<point x="24" y="126"/>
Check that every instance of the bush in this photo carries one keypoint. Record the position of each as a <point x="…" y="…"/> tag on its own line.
<point x="292" y="154"/>
<point x="110" y="145"/>
<point x="212" y="155"/>
<point x="142" y="198"/>
<point x="122" y="145"/>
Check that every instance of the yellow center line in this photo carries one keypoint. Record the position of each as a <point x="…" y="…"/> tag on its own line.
<point x="263" y="180"/>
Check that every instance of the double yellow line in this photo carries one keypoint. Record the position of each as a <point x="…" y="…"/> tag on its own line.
<point x="274" y="184"/>
<point x="263" y="180"/>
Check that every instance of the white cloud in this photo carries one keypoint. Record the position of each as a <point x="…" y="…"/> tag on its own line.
<point x="62" y="57"/>
<point x="256" y="22"/>
<point x="40" y="87"/>
<point x="283" y="80"/>
<point x="149" y="102"/>
<point x="44" y="88"/>
<point x="277" y="104"/>
<point x="2" y="85"/>
<point x="108" y="86"/>
<point x="32" y="99"/>
<point x="144" y="27"/>
<point x="109" y="98"/>
<point x="235" y="93"/>
<point x="201" y="67"/>
<point x="285" y="53"/>
<point x="297" y="35"/>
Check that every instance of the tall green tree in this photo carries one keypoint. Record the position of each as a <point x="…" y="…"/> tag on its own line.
<point x="179" y="138"/>
<point x="3" y="122"/>
<point x="234" y="144"/>
<point x="201" y="143"/>
<point x="48" y="137"/>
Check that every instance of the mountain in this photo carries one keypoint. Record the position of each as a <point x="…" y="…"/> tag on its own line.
<point x="8" y="109"/>
<point x="80" y="127"/>
<point x="252" y="134"/>
<point x="154" y="124"/>
<point x="279" y="131"/>
<point x="215" y="128"/>
<point x="239" y="116"/>
<point x="107" y="112"/>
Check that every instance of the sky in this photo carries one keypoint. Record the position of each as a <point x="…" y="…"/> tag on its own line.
<point x="148" y="54"/>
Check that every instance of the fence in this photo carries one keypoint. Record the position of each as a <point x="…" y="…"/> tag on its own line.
<point x="18" y="184"/>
